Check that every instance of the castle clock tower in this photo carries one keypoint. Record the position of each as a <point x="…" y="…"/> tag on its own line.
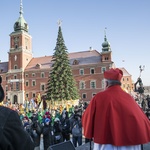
<point x="20" y="54"/>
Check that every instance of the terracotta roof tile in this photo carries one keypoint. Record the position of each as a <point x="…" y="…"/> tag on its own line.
<point x="84" y="57"/>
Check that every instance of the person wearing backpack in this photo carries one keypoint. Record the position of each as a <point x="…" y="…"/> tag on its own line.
<point x="76" y="128"/>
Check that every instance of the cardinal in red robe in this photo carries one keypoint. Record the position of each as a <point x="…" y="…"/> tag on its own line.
<point x="114" y="119"/>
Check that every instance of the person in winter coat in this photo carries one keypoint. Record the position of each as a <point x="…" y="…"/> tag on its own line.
<point x="36" y="130"/>
<point x="65" y="123"/>
<point x="47" y="134"/>
<point x="12" y="134"/>
<point x="76" y="128"/>
<point x="58" y="138"/>
<point x="113" y="119"/>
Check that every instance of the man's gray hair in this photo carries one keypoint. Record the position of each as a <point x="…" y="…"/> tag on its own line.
<point x="113" y="82"/>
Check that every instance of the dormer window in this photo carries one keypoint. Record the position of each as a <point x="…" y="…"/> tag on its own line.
<point x="75" y="62"/>
<point x="38" y="66"/>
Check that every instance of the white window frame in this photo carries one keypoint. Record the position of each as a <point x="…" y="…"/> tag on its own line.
<point x="33" y="81"/>
<point x="42" y="75"/>
<point x="81" y="71"/>
<point x="33" y="95"/>
<point x="43" y="84"/>
<point x="27" y="82"/>
<point x="103" y="69"/>
<point x="103" y="84"/>
<point x="82" y="85"/>
<point x="91" y="84"/>
<point x="91" y="70"/>
<point x="85" y="95"/>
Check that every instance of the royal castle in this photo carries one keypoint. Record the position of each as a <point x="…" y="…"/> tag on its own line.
<point x="25" y="76"/>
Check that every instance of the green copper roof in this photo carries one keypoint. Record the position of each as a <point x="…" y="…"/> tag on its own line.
<point x="105" y="45"/>
<point x="21" y="24"/>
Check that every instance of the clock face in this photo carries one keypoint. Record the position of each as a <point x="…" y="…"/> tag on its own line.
<point x="16" y="40"/>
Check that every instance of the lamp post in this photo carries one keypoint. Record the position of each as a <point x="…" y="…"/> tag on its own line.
<point x="140" y="89"/>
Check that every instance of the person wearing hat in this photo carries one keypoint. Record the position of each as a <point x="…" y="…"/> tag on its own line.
<point x="113" y="119"/>
<point x="12" y="134"/>
<point x="47" y="132"/>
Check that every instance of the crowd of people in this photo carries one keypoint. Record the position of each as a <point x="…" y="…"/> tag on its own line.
<point x="54" y="127"/>
<point x="112" y="120"/>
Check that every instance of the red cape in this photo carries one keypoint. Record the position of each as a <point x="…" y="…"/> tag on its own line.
<point x="113" y="117"/>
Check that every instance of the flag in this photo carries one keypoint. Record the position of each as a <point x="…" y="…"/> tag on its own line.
<point x="41" y="105"/>
<point x="38" y="98"/>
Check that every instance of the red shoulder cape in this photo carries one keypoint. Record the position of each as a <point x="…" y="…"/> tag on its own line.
<point x="113" y="117"/>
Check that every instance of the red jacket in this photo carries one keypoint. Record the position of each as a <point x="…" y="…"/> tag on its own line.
<point x="113" y="117"/>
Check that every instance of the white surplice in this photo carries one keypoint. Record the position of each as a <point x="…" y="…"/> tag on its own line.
<point x="112" y="147"/>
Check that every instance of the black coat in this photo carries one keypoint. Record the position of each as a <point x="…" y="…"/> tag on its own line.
<point x="12" y="134"/>
<point x="48" y="137"/>
<point x="36" y="131"/>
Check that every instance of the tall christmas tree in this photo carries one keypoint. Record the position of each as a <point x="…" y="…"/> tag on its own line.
<point x="61" y="83"/>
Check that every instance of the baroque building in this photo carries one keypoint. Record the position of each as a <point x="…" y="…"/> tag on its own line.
<point x="24" y="76"/>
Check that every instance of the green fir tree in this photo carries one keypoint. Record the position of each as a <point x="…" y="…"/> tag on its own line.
<point x="61" y="83"/>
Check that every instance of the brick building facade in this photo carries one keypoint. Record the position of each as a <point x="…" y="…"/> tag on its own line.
<point x="25" y="76"/>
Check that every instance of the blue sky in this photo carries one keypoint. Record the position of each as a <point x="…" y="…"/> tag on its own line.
<point x="83" y="24"/>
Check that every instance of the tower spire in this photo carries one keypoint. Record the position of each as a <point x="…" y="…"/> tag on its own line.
<point x="21" y="7"/>
<point x="105" y="39"/>
<point x="105" y="44"/>
<point x="21" y="24"/>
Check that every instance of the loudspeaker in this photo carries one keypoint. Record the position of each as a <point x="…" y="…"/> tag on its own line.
<point x="62" y="146"/>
